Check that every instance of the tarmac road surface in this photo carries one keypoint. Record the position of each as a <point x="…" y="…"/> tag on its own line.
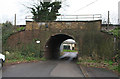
<point x="54" y="68"/>
<point x="50" y="68"/>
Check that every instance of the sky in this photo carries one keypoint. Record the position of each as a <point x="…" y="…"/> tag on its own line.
<point x="8" y="8"/>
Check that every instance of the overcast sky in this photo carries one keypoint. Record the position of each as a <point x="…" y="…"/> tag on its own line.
<point x="8" y="8"/>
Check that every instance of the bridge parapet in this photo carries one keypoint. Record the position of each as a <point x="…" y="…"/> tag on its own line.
<point x="61" y="25"/>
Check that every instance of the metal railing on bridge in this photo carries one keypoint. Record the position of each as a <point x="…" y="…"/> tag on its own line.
<point x="84" y="17"/>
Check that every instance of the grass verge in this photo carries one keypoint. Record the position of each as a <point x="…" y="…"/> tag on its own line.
<point x="109" y="65"/>
<point x="17" y="57"/>
<point x="26" y="60"/>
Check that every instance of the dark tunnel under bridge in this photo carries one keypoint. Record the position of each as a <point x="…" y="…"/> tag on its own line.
<point x="52" y="47"/>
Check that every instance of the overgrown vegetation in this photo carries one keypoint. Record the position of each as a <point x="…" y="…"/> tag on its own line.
<point x="31" y="50"/>
<point x="45" y="11"/>
<point x="107" y="64"/>
<point x="20" y="29"/>
<point x="17" y="57"/>
<point x="116" y="32"/>
<point x="7" y="30"/>
<point x="25" y="53"/>
<point x="21" y="53"/>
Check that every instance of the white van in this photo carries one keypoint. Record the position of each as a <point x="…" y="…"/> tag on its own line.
<point x="2" y="59"/>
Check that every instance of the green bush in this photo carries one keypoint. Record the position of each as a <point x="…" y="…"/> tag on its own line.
<point x="20" y="29"/>
<point x="43" y="59"/>
<point x="110" y="62"/>
<point x="30" y="58"/>
<point x="14" y="55"/>
<point x="31" y="50"/>
<point x="119" y="67"/>
<point x="116" y="32"/>
<point x="7" y="30"/>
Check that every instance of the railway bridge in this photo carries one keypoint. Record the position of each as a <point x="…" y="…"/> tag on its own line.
<point x="90" y="41"/>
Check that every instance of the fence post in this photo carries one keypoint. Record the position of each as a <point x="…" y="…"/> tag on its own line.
<point x="93" y="16"/>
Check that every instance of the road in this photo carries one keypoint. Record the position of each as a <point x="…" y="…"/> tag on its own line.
<point x="55" y="68"/>
<point x="50" y="68"/>
<point x="71" y="55"/>
<point x="97" y="72"/>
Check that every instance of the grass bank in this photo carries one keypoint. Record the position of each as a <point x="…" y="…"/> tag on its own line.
<point x="17" y="57"/>
<point x="106" y="64"/>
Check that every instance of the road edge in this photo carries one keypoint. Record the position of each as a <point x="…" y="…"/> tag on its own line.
<point x="83" y="71"/>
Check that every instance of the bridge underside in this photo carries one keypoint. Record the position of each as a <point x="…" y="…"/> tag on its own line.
<point x="52" y="46"/>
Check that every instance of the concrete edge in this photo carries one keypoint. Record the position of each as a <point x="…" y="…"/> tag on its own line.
<point x="83" y="71"/>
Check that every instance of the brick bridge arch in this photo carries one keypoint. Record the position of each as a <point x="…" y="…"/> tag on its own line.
<point x="52" y="47"/>
<point x="87" y="35"/>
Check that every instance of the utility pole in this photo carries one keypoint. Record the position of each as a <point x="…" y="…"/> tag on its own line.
<point x="108" y="19"/>
<point x="15" y="20"/>
<point x="118" y="21"/>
